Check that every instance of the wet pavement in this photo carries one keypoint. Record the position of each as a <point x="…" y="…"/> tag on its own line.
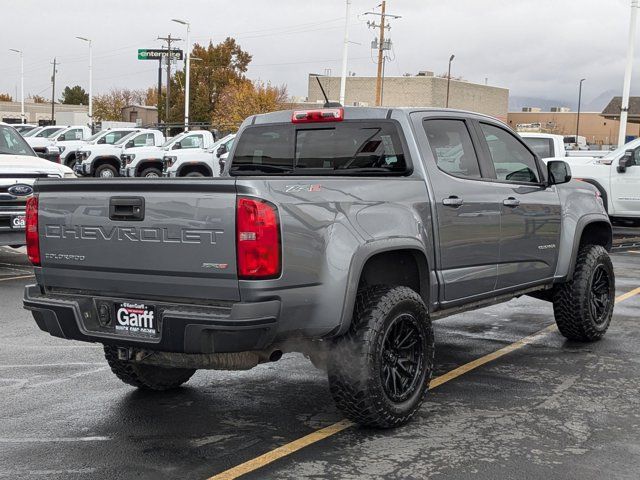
<point x="552" y="409"/>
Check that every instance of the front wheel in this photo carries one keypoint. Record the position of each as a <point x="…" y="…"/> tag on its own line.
<point x="583" y="306"/>
<point x="147" y="377"/>
<point x="151" y="172"/>
<point x="380" y="370"/>
<point x="106" y="171"/>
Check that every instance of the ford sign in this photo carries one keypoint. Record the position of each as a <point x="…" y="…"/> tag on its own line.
<point x="20" y="190"/>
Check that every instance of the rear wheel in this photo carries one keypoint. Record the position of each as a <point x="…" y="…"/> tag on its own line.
<point x="380" y="370"/>
<point x="148" y="377"/>
<point x="71" y="161"/>
<point x="151" y="172"/>
<point x="583" y="306"/>
<point x="106" y="171"/>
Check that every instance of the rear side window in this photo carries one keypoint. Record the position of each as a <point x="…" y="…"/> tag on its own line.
<point x="543" y="147"/>
<point x="511" y="159"/>
<point x="143" y="140"/>
<point x="341" y="148"/>
<point x="192" y="141"/>
<point x="450" y="143"/>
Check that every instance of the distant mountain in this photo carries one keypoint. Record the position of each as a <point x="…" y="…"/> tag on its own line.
<point x="516" y="102"/>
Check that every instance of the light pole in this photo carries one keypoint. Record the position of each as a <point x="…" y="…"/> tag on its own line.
<point x="88" y="40"/>
<point x="345" y="51"/>
<point x="187" y="68"/>
<point x="22" y="119"/>
<point x="449" y="79"/>
<point x="579" y="103"/>
<point x="626" y="86"/>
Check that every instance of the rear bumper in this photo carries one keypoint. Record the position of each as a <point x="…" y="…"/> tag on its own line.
<point x="235" y="327"/>
<point x="12" y="237"/>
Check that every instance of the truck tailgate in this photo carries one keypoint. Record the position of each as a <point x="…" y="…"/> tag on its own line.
<point x="140" y="238"/>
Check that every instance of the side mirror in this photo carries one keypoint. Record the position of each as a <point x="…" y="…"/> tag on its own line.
<point x="625" y="161"/>
<point x="222" y="149"/>
<point x="558" y="172"/>
<point x="102" y="140"/>
<point x="129" y="144"/>
<point x="176" y="146"/>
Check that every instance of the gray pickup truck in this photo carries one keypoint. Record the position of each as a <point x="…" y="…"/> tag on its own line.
<point x="339" y="233"/>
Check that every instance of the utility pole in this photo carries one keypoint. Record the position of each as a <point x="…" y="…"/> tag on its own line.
<point x="53" y="92"/>
<point x="169" y="39"/>
<point x="159" y="86"/>
<point x="579" y="103"/>
<point x="345" y="52"/>
<point x="624" y="105"/>
<point x="382" y="45"/>
<point x="88" y="40"/>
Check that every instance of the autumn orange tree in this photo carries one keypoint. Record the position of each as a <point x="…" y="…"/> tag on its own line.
<point x="5" y="97"/>
<point x="108" y="106"/>
<point x="244" y="98"/>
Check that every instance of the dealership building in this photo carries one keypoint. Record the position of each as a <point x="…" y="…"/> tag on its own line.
<point x="421" y="90"/>
<point x="41" y="113"/>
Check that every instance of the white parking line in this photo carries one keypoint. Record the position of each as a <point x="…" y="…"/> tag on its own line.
<point x="53" y="439"/>
<point x="47" y="365"/>
<point x="15" y="278"/>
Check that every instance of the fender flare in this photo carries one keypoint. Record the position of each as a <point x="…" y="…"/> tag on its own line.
<point x="145" y="163"/>
<point x="583" y="222"/>
<point x="359" y="260"/>
<point x="109" y="158"/>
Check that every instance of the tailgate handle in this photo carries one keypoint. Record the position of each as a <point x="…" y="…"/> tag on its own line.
<point x="126" y="208"/>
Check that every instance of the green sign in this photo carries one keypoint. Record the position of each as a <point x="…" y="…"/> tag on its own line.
<point x="158" y="53"/>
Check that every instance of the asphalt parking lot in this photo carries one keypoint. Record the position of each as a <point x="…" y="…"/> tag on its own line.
<point x="540" y="407"/>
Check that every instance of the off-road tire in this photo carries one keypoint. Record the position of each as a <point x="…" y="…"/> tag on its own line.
<point x="571" y="300"/>
<point x="355" y="366"/>
<point x="104" y="167"/>
<point x="147" y="377"/>
<point x="147" y="171"/>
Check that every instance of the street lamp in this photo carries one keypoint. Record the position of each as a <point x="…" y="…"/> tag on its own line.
<point x="187" y="68"/>
<point x="22" y="119"/>
<point x="579" y="102"/>
<point x="449" y="79"/>
<point x="88" y="40"/>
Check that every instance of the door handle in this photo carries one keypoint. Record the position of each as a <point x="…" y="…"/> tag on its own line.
<point x="511" y="202"/>
<point x="452" y="201"/>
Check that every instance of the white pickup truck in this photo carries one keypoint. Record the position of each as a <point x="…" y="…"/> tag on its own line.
<point x="147" y="162"/>
<point x="548" y="145"/>
<point x="42" y="139"/>
<point x="617" y="178"/>
<point x="67" y="149"/>
<point x="103" y="160"/>
<point x="63" y="143"/>
<point x="197" y="162"/>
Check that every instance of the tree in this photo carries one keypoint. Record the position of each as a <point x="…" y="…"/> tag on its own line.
<point x="108" y="106"/>
<point x="217" y="67"/>
<point x="5" y="97"/>
<point x="38" y="99"/>
<point x="74" y="96"/>
<point x="244" y="98"/>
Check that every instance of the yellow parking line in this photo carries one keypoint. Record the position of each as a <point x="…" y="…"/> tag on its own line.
<point x="15" y="278"/>
<point x="289" y="448"/>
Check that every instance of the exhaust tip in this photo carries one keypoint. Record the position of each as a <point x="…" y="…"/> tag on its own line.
<point x="275" y="355"/>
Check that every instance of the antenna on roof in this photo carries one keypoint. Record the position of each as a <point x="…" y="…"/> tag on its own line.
<point x="327" y="103"/>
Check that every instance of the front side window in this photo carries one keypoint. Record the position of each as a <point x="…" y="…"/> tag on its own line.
<point x="112" y="137"/>
<point x="511" y="159"/>
<point x="450" y="143"/>
<point x="192" y="141"/>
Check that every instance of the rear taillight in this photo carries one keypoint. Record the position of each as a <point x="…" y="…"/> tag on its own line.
<point x="258" y="239"/>
<point x="31" y="224"/>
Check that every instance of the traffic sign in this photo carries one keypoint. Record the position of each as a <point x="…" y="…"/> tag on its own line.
<point x="158" y="53"/>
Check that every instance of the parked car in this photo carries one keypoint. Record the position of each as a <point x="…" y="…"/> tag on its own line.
<point x="103" y="160"/>
<point x="197" y="162"/>
<point x="65" y="150"/>
<point x="147" y="162"/>
<point x="19" y="169"/>
<point x="617" y="178"/>
<point x="40" y="140"/>
<point x="41" y="145"/>
<point x="339" y="233"/>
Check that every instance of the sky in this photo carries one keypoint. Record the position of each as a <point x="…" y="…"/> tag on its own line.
<point x="536" y="48"/>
